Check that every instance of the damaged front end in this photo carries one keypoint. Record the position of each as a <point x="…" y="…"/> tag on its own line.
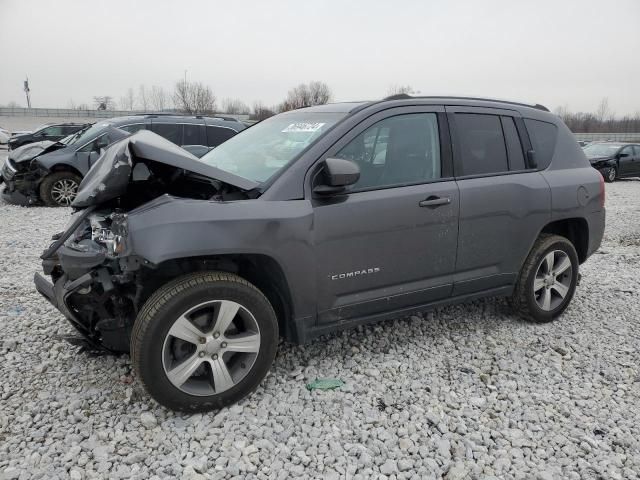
<point x="98" y="281"/>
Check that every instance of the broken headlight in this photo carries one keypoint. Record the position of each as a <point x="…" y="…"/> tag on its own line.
<point x="110" y="232"/>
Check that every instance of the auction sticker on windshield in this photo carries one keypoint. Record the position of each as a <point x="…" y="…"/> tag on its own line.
<point x="303" y="127"/>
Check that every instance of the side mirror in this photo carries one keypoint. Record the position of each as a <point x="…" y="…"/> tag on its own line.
<point x="337" y="174"/>
<point x="623" y="155"/>
<point x="93" y="156"/>
<point x="531" y="159"/>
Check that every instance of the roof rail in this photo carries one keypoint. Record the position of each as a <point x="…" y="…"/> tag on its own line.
<point x="404" y="96"/>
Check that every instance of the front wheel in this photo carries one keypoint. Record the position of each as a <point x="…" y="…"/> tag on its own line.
<point x="610" y="174"/>
<point x="59" y="189"/>
<point x="204" y="341"/>
<point x="547" y="280"/>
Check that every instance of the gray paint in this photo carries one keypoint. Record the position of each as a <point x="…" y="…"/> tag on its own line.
<point x="471" y="247"/>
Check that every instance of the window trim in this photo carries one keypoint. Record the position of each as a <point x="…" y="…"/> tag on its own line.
<point x="498" y="112"/>
<point x="206" y="136"/>
<point x="446" y="168"/>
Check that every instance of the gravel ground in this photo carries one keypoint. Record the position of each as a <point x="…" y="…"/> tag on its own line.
<point x="465" y="392"/>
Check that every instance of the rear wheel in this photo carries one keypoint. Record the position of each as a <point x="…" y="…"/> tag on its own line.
<point x="59" y="189"/>
<point x="204" y="341"/>
<point x="548" y="279"/>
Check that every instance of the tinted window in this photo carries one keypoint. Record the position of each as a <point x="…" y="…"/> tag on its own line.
<point x="191" y="135"/>
<point x="514" y="147"/>
<point x="628" y="150"/>
<point x="218" y="135"/>
<point x="398" y="150"/>
<point x="543" y="139"/>
<point x="53" y="131"/>
<point x="637" y="149"/>
<point x="481" y="144"/>
<point x="133" y="128"/>
<point x="69" y="129"/>
<point x="170" y="131"/>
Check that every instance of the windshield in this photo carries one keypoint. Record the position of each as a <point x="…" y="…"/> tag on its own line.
<point x="262" y="150"/>
<point x="74" y="136"/>
<point x="89" y="133"/>
<point x="601" y="150"/>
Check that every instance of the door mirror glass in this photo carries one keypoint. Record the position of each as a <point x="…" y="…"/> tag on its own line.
<point x="337" y="173"/>
<point x="623" y="155"/>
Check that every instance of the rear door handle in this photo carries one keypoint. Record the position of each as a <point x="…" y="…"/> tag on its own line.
<point x="434" y="201"/>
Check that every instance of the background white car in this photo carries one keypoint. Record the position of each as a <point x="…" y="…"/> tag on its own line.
<point x="4" y="136"/>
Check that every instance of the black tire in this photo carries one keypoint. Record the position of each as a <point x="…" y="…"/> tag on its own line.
<point x="158" y="315"/>
<point x="47" y="194"/>
<point x="610" y="174"/>
<point x="524" y="297"/>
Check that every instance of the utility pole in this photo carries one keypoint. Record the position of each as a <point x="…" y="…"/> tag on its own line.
<point x="27" y="91"/>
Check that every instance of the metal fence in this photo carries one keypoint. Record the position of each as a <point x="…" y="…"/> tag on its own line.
<point x="604" y="137"/>
<point x="71" y="113"/>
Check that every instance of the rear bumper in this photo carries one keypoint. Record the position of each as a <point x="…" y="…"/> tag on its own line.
<point x="596" y="221"/>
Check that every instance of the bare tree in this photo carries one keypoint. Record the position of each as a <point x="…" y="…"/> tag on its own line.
<point x="602" y="121"/>
<point x="604" y="113"/>
<point x="193" y="98"/>
<point x="143" y="101"/>
<point x="234" y="106"/>
<point x="104" y="102"/>
<point x="159" y="98"/>
<point x="127" y="102"/>
<point x="401" y="89"/>
<point x="260" y="112"/>
<point x="316" y="93"/>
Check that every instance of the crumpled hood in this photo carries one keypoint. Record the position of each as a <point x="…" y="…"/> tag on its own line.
<point x="599" y="159"/>
<point x="29" y="151"/>
<point x="111" y="174"/>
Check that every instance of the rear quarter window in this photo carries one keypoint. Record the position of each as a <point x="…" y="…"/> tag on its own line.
<point x="543" y="136"/>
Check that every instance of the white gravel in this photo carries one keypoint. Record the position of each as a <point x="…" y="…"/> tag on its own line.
<point x="466" y="392"/>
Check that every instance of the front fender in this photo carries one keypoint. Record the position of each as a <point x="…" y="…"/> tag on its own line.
<point x="169" y="228"/>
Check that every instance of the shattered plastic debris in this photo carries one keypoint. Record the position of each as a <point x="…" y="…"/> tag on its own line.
<point x="325" y="384"/>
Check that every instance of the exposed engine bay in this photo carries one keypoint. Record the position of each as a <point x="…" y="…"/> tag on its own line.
<point x="98" y="280"/>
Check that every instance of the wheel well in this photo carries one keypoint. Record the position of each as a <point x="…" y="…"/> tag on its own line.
<point x="576" y="230"/>
<point x="61" y="167"/>
<point x="260" y="270"/>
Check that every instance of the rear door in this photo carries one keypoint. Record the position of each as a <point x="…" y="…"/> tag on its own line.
<point x="626" y="161"/>
<point x="390" y="243"/>
<point x="503" y="202"/>
<point x="636" y="158"/>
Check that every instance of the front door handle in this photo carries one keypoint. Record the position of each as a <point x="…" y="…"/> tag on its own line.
<point x="434" y="201"/>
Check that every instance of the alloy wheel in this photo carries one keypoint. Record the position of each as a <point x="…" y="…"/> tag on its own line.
<point x="64" y="191"/>
<point x="553" y="280"/>
<point x="612" y="174"/>
<point x="211" y="347"/>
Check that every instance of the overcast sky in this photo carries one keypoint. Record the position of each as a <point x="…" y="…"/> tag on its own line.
<point x="558" y="53"/>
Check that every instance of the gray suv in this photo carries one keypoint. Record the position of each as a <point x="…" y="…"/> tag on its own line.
<point x="50" y="172"/>
<point x="316" y="220"/>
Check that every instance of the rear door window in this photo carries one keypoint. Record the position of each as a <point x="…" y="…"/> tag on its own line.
<point x="543" y="137"/>
<point x="218" y="135"/>
<point x="133" y="128"/>
<point x="192" y="134"/>
<point x="170" y="131"/>
<point x="481" y="144"/>
<point x="514" y="147"/>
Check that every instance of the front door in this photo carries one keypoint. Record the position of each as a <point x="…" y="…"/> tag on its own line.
<point x="390" y="243"/>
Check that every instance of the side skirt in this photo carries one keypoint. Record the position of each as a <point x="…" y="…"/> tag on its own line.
<point x="304" y="333"/>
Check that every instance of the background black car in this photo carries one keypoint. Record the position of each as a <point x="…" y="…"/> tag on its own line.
<point x="50" y="172"/>
<point x="614" y="160"/>
<point x="51" y="132"/>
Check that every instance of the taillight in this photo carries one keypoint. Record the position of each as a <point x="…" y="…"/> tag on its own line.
<point x="602" y="191"/>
